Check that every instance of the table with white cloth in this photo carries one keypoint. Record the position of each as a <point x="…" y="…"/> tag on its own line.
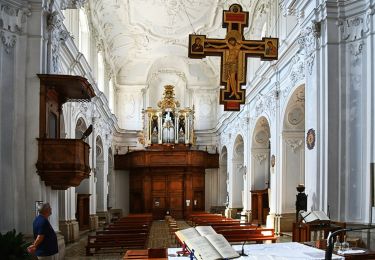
<point x="280" y="251"/>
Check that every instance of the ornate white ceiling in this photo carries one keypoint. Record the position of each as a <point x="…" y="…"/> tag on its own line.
<point x="137" y="34"/>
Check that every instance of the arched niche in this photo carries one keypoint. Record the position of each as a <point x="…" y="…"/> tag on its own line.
<point x="260" y="159"/>
<point x="80" y="128"/>
<point x="238" y="174"/>
<point x="111" y="180"/>
<point x="293" y="149"/>
<point x="101" y="182"/>
<point x="223" y="177"/>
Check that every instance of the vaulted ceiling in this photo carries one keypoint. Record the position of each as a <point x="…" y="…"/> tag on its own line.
<point x="139" y="35"/>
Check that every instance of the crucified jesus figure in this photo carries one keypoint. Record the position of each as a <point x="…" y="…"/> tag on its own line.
<point x="231" y="62"/>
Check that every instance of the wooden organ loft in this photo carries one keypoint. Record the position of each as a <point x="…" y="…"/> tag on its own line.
<point x="167" y="177"/>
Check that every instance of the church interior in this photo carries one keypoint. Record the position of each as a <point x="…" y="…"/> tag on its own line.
<point x="253" y="112"/>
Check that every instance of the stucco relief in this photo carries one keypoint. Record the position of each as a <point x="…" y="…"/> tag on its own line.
<point x="12" y="19"/>
<point x="205" y="104"/>
<point x="266" y="103"/>
<point x="356" y="49"/>
<point x="174" y="17"/>
<point x="261" y="137"/>
<point x="295" y="144"/>
<point x="353" y="28"/>
<point x="129" y="106"/>
<point x="298" y="70"/>
<point x="309" y="42"/>
<point x="259" y="157"/>
<point x="9" y="40"/>
<point x="58" y="35"/>
<point x="295" y="116"/>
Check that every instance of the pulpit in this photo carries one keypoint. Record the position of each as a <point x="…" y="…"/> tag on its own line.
<point x="62" y="163"/>
<point x="259" y="206"/>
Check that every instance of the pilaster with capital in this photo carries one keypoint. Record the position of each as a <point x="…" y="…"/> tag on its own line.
<point x="57" y="35"/>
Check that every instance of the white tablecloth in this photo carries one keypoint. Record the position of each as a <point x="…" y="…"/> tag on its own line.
<point x="279" y="251"/>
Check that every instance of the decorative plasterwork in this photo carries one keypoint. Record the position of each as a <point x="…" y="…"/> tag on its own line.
<point x="174" y="17"/>
<point x="12" y="19"/>
<point x="267" y="103"/>
<point x="355" y="27"/>
<point x="289" y="7"/>
<point x="295" y="144"/>
<point x="57" y="36"/>
<point x="72" y="4"/>
<point x="309" y="43"/>
<point x="259" y="157"/>
<point x="9" y="40"/>
<point x="298" y="70"/>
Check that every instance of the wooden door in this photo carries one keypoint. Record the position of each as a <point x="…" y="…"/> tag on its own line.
<point x="83" y="211"/>
<point x="176" y="195"/>
<point x="158" y="194"/>
<point x="198" y="201"/>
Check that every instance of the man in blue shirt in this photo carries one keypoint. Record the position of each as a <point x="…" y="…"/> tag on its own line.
<point x="45" y="244"/>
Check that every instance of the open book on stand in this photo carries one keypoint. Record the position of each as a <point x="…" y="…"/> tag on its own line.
<point x="206" y="243"/>
<point x="314" y="217"/>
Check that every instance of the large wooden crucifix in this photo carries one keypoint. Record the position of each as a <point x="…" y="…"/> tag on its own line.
<point x="234" y="50"/>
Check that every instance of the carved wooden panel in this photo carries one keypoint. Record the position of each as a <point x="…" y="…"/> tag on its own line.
<point x="162" y="181"/>
<point x="63" y="163"/>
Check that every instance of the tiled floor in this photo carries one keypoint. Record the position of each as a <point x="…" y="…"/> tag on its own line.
<point x="159" y="237"/>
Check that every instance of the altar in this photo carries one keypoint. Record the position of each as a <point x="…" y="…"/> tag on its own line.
<point x="279" y="251"/>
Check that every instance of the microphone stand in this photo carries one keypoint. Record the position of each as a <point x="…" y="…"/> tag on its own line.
<point x="331" y="236"/>
<point x="243" y="249"/>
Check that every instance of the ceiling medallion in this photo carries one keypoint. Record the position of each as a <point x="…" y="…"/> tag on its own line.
<point x="310" y="139"/>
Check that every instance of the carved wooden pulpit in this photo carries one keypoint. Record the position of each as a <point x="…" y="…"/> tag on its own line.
<point x="234" y="50"/>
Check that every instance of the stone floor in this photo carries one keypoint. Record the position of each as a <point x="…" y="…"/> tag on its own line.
<point x="159" y="237"/>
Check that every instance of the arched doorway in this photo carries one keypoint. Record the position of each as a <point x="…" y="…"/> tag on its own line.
<point x="293" y="156"/>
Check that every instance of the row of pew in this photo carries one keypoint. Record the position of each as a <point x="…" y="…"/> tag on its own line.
<point x="232" y="229"/>
<point x="130" y="232"/>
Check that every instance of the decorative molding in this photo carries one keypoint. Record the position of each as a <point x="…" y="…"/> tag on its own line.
<point x="57" y="36"/>
<point x="267" y="103"/>
<point x="72" y="4"/>
<point x="12" y="19"/>
<point x="298" y="71"/>
<point x="294" y="143"/>
<point x="9" y="40"/>
<point x="356" y="48"/>
<point x="354" y="28"/>
<point x="295" y="116"/>
<point x="260" y="157"/>
<point x="309" y="43"/>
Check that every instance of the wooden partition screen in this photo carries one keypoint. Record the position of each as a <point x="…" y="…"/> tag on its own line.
<point x="166" y="182"/>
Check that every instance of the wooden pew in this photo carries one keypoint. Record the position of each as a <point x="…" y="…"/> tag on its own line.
<point x="116" y="243"/>
<point x="218" y="228"/>
<point x="127" y="233"/>
<point x="249" y="235"/>
<point x="151" y="253"/>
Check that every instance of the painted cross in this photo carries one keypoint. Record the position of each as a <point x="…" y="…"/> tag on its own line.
<point x="234" y="51"/>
